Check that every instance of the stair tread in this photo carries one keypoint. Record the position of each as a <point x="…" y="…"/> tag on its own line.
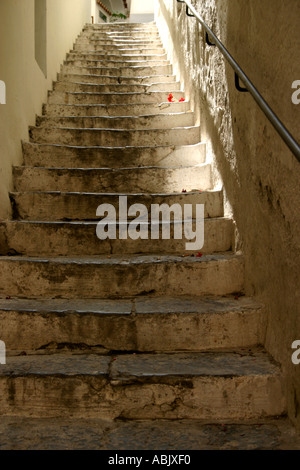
<point x="126" y="259"/>
<point x="18" y="433"/>
<point x="142" y="305"/>
<point x="253" y="362"/>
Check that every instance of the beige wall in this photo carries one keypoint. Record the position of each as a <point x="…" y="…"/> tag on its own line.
<point x="26" y="85"/>
<point x="260" y="175"/>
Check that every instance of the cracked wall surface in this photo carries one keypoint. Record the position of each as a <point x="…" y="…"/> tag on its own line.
<point x="259" y="174"/>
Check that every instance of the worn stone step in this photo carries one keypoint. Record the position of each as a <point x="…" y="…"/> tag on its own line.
<point x="66" y="86"/>
<point x="137" y="179"/>
<point x="143" y="324"/>
<point x="115" y="137"/>
<point x="108" y="157"/>
<point x="114" y="63"/>
<point x="159" y="121"/>
<point x="121" y="42"/>
<point x="128" y="275"/>
<point x="153" y="34"/>
<point x="116" y="110"/>
<point x="119" y="50"/>
<point x="126" y="71"/>
<point x="119" y="26"/>
<point x="32" y="238"/>
<point x="111" y="80"/>
<point x="225" y="385"/>
<point x="149" y="97"/>
<point x="115" y="57"/>
<point x="57" y="206"/>
<point x="162" y="435"/>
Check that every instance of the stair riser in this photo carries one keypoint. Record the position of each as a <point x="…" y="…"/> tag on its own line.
<point x="53" y="279"/>
<point x="120" y="71"/>
<point x="91" y="157"/>
<point x="67" y="87"/>
<point x="121" y="42"/>
<point x="153" y="35"/>
<point x="56" y="206"/>
<point x="117" y="27"/>
<point x="118" y="50"/>
<point x="114" y="110"/>
<point x="81" y="240"/>
<point x="152" y="97"/>
<point x="116" y="80"/>
<point x="131" y="180"/>
<point x="115" y="56"/>
<point x="112" y="63"/>
<point x="177" y="398"/>
<point x="116" y="138"/>
<point x="140" y="332"/>
<point x="153" y="122"/>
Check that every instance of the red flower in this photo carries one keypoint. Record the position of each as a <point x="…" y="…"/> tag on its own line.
<point x="183" y="191"/>
<point x="182" y="99"/>
<point x="199" y="255"/>
<point x="171" y="98"/>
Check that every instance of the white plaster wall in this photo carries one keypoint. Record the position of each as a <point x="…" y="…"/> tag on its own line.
<point x="260" y="175"/>
<point x="26" y="85"/>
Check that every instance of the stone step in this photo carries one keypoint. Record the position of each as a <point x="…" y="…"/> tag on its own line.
<point x="136" y="179"/>
<point x="120" y="37"/>
<point x="220" y="385"/>
<point x="158" y="436"/>
<point x="156" y="43"/>
<point x="120" y="276"/>
<point x="66" y="86"/>
<point x="141" y="324"/>
<point x="55" y="156"/>
<point x="118" y="50"/>
<point x="115" y="137"/>
<point x="119" y="26"/>
<point x="117" y="110"/>
<point x="129" y="71"/>
<point x="115" y="57"/>
<point x="120" y="34"/>
<point x="57" y="206"/>
<point x="148" y="97"/>
<point x="158" y="121"/>
<point x="111" y="80"/>
<point x="115" y="63"/>
<point x="32" y="238"/>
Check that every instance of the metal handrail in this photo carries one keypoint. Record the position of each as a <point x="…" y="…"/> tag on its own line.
<point x="239" y="74"/>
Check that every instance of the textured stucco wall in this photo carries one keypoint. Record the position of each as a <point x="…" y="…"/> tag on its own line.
<point x="26" y="85"/>
<point x="260" y="175"/>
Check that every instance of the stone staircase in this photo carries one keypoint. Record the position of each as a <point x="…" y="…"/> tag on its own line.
<point x="125" y="331"/>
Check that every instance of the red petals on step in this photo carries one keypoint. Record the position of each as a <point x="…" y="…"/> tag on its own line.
<point x="183" y="191"/>
<point x="173" y="100"/>
<point x="199" y="255"/>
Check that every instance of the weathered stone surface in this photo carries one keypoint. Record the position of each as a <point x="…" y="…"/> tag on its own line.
<point x="188" y="385"/>
<point x="103" y="277"/>
<point x="96" y="434"/>
<point x="123" y="180"/>
<point x="147" y="97"/>
<point x="80" y="239"/>
<point x="137" y="71"/>
<point x="162" y="121"/>
<point x="109" y="137"/>
<point x="138" y="324"/>
<point x="52" y="155"/>
<point x="115" y="109"/>
<point x="72" y="86"/>
<point x="83" y="206"/>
